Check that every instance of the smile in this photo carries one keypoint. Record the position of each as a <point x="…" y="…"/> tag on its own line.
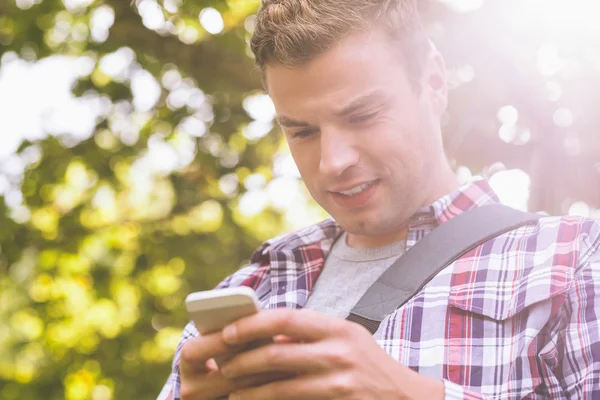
<point x="358" y="189"/>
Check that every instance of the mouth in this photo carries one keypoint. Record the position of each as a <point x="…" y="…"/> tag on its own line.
<point x="356" y="190"/>
<point x="356" y="197"/>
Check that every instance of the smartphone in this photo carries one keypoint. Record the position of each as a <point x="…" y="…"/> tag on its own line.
<point x="213" y="310"/>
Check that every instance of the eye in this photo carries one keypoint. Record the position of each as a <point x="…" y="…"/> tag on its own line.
<point x="362" y="118"/>
<point x="304" y="133"/>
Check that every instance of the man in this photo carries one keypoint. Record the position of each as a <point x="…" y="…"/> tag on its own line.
<point x="359" y="93"/>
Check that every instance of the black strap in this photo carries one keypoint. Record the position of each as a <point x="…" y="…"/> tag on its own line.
<point x="440" y="248"/>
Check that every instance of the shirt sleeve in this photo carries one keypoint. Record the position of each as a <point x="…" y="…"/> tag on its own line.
<point x="579" y="346"/>
<point x="171" y="389"/>
<point x="251" y="275"/>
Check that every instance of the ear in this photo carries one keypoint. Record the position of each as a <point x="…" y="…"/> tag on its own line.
<point x="435" y="83"/>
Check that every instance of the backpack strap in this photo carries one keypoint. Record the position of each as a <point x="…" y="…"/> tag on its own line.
<point x="440" y="248"/>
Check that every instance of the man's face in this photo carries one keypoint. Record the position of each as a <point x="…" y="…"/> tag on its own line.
<point x="367" y="146"/>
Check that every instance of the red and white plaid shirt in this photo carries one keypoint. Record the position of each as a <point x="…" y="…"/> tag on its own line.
<point x="515" y="318"/>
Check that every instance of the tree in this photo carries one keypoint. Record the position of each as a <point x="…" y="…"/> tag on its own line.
<point x="166" y="192"/>
<point x="117" y="227"/>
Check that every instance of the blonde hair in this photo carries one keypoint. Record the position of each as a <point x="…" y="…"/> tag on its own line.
<point x="292" y="32"/>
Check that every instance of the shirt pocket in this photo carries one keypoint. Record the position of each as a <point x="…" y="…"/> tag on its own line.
<point x="493" y="331"/>
<point x="504" y="299"/>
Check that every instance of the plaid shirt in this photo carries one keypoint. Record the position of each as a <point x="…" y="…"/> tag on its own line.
<point x="515" y="318"/>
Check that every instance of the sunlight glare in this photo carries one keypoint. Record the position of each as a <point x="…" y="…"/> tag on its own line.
<point x="75" y="5"/>
<point x="576" y="17"/>
<point x="463" y="6"/>
<point x="152" y="14"/>
<point x="101" y="20"/>
<point x="146" y="90"/>
<point x="260" y="107"/>
<point x="30" y="103"/>
<point x="512" y="187"/>
<point x="212" y="21"/>
<point x="253" y="203"/>
<point x="580" y="209"/>
<point x="117" y="65"/>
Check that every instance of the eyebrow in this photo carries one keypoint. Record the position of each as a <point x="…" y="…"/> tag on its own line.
<point x="376" y="97"/>
<point x="291" y="123"/>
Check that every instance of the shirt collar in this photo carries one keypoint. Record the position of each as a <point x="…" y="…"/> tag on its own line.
<point x="471" y="195"/>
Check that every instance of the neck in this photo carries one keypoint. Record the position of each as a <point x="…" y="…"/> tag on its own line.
<point x="446" y="183"/>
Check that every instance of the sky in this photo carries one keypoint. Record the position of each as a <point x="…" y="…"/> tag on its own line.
<point x="35" y="96"/>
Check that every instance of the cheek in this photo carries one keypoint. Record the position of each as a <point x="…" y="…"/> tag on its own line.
<point x="398" y="150"/>
<point x="306" y="160"/>
<point x="392" y="140"/>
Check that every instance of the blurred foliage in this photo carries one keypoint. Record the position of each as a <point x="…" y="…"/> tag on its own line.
<point x="96" y="261"/>
<point x="166" y="195"/>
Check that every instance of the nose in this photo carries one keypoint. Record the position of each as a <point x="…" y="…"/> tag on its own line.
<point x="338" y="153"/>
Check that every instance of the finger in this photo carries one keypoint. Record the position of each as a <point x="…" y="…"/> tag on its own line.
<point x="259" y="379"/>
<point x="284" y="339"/>
<point x="292" y="358"/>
<point x="215" y="385"/>
<point x="296" y="324"/>
<point x="300" y="388"/>
<point x="205" y="386"/>
<point x="211" y="365"/>
<point x="197" y="351"/>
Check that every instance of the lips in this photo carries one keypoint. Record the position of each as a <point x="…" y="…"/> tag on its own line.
<point x="356" y="196"/>
<point x="354" y="189"/>
<point x="357" y="189"/>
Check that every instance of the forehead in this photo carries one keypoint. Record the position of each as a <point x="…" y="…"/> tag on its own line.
<point x="360" y="64"/>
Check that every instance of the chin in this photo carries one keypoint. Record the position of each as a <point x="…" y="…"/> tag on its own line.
<point x="358" y="226"/>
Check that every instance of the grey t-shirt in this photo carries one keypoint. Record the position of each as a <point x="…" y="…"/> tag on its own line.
<point x="347" y="274"/>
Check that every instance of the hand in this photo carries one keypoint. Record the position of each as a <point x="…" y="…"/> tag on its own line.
<point x="331" y="358"/>
<point x="200" y="376"/>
